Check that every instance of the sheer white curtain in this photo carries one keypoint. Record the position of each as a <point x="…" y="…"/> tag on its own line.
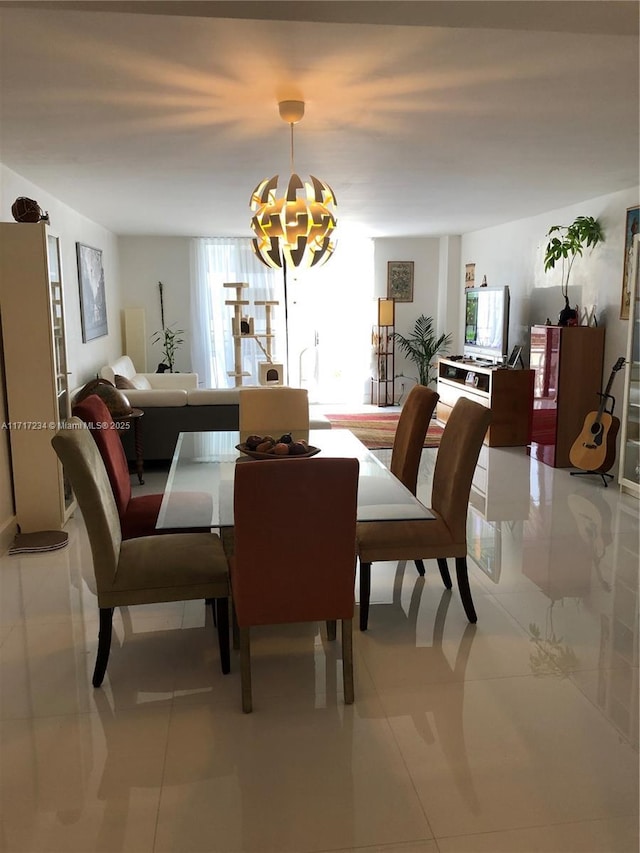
<point x="331" y="311"/>
<point x="215" y="261"/>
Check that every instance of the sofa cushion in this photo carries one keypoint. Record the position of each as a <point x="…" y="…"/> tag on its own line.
<point x="122" y="366"/>
<point x="122" y="383"/>
<point x="140" y="382"/>
<point x="156" y="398"/>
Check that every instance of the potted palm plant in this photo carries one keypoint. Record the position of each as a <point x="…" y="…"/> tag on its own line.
<point x="422" y="346"/>
<point x="584" y="231"/>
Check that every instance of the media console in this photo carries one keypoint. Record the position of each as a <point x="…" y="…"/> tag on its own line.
<point x="507" y="392"/>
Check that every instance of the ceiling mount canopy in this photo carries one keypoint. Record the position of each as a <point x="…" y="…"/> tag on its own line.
<point x="294" y="228"/>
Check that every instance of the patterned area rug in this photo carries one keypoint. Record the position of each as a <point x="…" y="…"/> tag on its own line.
<point x="377" y="431"/>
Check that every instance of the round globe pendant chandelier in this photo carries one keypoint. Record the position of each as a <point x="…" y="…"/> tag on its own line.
<point x="295" y="228"/>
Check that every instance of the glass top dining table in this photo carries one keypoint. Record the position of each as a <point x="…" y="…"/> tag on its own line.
<point x="204" y="462"/>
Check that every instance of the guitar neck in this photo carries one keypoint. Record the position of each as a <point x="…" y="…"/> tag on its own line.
<point x="616" y="367"/>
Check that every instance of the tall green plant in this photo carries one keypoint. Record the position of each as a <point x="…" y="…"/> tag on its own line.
<point x="422" y="346"/>
<point x="170" y="340"/>
<point x="168" y="337"/>
<point x="583" y="232"/>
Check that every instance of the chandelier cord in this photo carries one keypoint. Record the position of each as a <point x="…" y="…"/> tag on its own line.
<point x="291" y="126"/>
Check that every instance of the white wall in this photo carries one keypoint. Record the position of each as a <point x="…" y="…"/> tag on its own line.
<point x="425" y="254"/>
<point x="144" y="261"/>
<point x="71" y="227"/>
<point x="84" y="360"/>
<point x="513" y="254"/>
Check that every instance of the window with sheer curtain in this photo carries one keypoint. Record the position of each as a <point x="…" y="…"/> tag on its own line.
<point x="214" y="262"/>
<point x="330" y="312"/>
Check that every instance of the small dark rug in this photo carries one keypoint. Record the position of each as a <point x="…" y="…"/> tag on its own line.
<point x="377" y="431"/>
<point x="34" y="543"/>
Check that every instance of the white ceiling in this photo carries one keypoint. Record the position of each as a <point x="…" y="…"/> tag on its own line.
<point x="426" y="118"/>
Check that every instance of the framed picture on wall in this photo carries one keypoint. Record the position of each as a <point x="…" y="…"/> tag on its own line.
<point x="632" y="227"/>
<point x="469" y="276"/>
<point x="93" y="304"/>
<point x="400" y="281"/>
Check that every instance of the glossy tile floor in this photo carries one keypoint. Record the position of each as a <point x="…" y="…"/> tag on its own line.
<point x="517" y="734"/>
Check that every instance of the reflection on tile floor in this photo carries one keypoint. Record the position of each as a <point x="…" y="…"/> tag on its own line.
<point x="517" y="734"/>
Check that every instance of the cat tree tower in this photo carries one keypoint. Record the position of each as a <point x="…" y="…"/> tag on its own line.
<point x="243" y="327"/>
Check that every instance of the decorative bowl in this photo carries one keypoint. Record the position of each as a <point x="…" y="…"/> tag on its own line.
<point x="254" y="454"/>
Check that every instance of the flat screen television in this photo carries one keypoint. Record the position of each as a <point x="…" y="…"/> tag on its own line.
<point x="486" y="330"/>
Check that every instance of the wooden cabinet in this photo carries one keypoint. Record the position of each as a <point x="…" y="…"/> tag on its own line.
<point x="567" y="361"/>
<point x="384" y="347"/>
<point x="629" y="469"/>
<point x="508" y="393"/>
<point x="35" y="361"/>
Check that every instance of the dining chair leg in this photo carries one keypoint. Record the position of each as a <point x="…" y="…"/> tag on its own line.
<point x="465" y="591"/>
<point x="347" y="660"/>
<point x="365" y="594"/>
<point x="245" y="670"/>
<point x="104" y="645"/>
<point x="420" y="567"/>
<point x="444" y="572"/>
<point x="221" y="611"/>
<point x="331" y="629"/>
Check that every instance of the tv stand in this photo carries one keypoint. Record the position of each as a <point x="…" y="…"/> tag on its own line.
<point x="508" y="393"/>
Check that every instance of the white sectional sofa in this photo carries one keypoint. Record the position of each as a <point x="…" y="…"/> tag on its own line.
<point x="173" y="403"/>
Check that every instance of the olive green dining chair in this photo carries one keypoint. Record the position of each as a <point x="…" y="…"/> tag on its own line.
<point x="142" y="570"/>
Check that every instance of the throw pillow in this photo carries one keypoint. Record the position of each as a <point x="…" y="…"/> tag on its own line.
<point x="122" y="383"/>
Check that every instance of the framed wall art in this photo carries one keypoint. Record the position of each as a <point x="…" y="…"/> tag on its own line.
<point x="469" y="276"/>
<point x="632" y="227"/>
<point x="93" y="304"/>
<point x="400" y="281"/>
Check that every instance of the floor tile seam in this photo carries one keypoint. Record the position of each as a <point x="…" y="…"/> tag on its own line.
<point x="158" y="808"/>
<point x="566" y="674"/>
<point x="602" y="714"/>
<point x="544" y="825"/>
<point x="408" y="773"/>
<point x="89" y="712"/>
<point x="498" y="598"/>
<point x="52" y="619"/>
<point x="11" y="629"/>
<point x="391" y="846"/>
<point x="411" y="689"/>
<point x="394" y="739"/>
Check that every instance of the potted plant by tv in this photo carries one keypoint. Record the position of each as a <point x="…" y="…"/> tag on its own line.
<point x="422" y="346"/>
<point x="567" y="242"/>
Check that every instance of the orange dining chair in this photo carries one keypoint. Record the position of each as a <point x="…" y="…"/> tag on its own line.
<point x="295" y="551"/>
<point x="146" y="569"/>
<point x="408" y="441"/>
<point x="446" y="536"/>
<point x="138" y="515"/>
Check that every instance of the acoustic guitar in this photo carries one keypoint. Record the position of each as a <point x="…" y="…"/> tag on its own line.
<point x="595" y="448"/>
